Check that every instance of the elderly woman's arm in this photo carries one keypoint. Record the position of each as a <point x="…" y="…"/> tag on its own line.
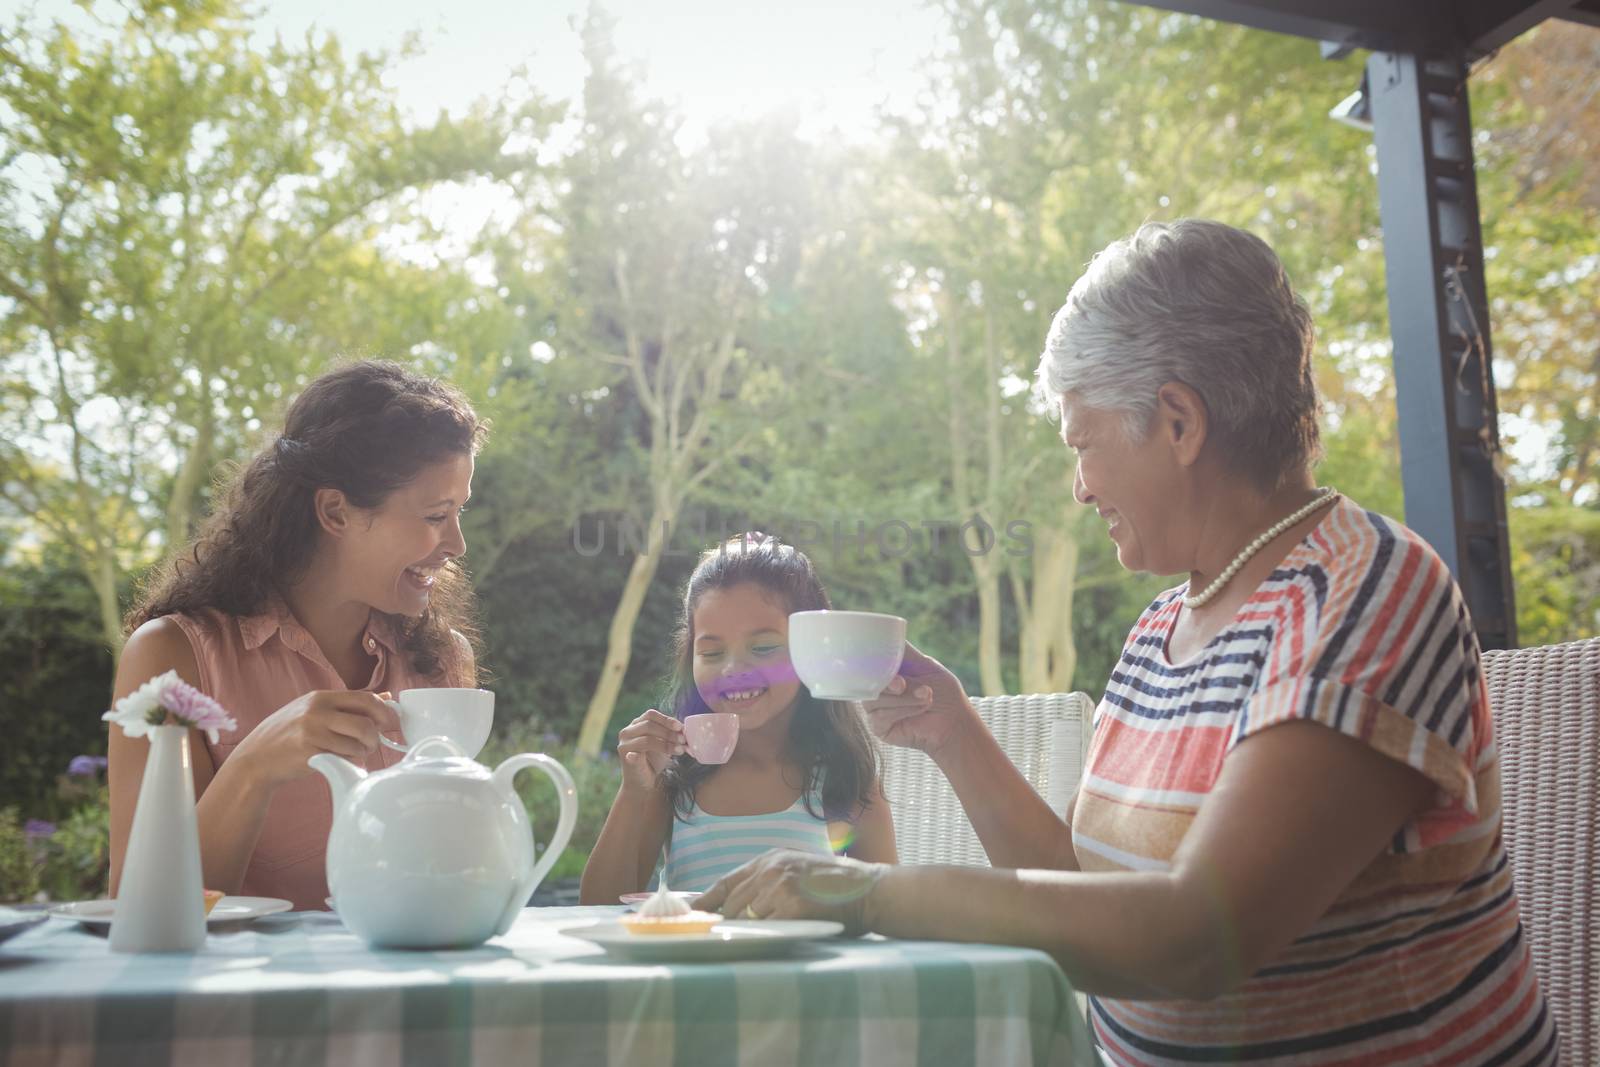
<point x="925" y="707"/>
<point x="1298" y="812"/>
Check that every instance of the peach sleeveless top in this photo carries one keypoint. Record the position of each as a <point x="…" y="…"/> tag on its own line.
<point x="254" y="666"/>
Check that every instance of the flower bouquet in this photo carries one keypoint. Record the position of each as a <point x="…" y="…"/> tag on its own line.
<point x="160" y="901"/>
<point x="167" y="700"/>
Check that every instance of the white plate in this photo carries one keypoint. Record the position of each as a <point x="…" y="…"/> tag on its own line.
<point x="685" y="895"/>
<point x="740" y="939"/>
<point x="13" y="922"/>
<point x="227" y="910"/>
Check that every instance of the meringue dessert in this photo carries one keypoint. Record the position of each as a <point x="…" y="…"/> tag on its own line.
<point x="664" y="913"/>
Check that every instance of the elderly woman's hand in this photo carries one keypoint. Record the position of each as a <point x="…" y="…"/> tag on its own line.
<point x="923" y="707"/>
<point x="797" y="885"/>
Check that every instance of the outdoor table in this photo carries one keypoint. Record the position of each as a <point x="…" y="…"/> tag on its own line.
<point x="299" y="988"/>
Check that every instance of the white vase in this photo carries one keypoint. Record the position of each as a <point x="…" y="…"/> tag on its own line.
<point x="160" y="902"/>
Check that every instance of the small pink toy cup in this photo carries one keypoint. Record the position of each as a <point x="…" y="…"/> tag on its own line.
<point x="711" y="736"/>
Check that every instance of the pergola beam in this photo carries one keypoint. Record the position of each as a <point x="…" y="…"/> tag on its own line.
<point x="1419" y="26"/>
<point x="1488" y="24"/>
<point x="1381" y="25"/>
<point x="1586" y="12"/>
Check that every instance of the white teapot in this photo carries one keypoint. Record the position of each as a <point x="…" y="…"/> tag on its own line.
<point x="436" y="851"/>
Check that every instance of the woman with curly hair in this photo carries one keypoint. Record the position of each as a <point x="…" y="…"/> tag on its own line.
<point x="326" y="578"/>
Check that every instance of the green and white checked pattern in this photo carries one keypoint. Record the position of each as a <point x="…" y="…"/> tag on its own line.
<point x="300" y="989"/>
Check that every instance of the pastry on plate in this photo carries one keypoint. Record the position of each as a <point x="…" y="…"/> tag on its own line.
<point x="695" y="922"/>
<point x="664" y="913"/>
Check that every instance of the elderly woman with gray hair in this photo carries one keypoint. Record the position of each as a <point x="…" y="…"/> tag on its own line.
<point x="1286" y="843"/>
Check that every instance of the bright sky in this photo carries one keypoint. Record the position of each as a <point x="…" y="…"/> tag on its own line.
<point x="835" y="59"/>
<point x="838" y="61"/>
<point x="834" y="62"/>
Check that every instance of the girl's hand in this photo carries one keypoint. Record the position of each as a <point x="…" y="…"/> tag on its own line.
<point x="923" y="706"/>
<point x="646" y="744"/>
<point x="343" y="722"/>
<point x="796" y="885"/>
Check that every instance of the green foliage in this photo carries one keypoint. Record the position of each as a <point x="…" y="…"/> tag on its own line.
<point x="55" y="679"/>
<point x="544" y="614"/>
<point x="19" y="869"/>
<point x="70" y="860"/>
<point x="1361" y="459"/>
<point x="190" y="232"/>
<point x="597" y="781"/>
<point x="75" y="861"/>
<point x="191" y="225"/>
<point x="1555" y="567"/>
<point x="1539" y="134"/>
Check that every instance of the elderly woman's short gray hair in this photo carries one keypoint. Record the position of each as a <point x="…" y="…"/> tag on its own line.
<point x="1202" y="303"/>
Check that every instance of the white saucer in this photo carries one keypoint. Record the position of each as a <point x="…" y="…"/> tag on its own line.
<point x="227" y="910"/>
<point x="739" y="939"/>
<point x="13" y="922"/>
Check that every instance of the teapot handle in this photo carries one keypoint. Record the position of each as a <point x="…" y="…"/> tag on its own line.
<point x="567" y="793"/>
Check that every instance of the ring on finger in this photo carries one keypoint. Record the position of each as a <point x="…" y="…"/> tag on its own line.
<point x="749" y="912"/>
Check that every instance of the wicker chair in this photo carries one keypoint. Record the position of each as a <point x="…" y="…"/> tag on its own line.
<point x="1046" y="735"/>
<point x="1547" y="717"/>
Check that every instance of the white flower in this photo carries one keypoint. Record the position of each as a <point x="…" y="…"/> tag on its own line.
<point x="135" y="711"/>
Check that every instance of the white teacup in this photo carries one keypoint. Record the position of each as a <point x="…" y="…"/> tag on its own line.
<point x="462" y="715"/>
<point x="846" y="655"/>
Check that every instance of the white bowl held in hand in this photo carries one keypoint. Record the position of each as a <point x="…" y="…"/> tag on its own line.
<point x="846" y="655"/>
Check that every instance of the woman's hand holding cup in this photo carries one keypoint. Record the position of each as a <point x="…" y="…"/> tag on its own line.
<point x="465" y="716"/>
<point x="344" y="722"/>
<point x="645" y="746"/>
<point x="922" y="707"/>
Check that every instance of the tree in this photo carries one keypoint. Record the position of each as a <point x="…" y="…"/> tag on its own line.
<point x="670" y="255"/>
<point x="1535" y="103"/>
<point x="1555" y="561"/>
<point x="54" y="676"/>
<point x="1037" y="143"/>
<point x="188" y="229"/>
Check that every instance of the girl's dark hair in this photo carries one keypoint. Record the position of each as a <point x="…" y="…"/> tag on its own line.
<point x="827" y="738"/>
<point x="366" y="429"/>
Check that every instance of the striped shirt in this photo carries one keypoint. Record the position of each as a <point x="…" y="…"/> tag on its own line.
<point x="704" y="847"/>
<point x="1420" y="960"/>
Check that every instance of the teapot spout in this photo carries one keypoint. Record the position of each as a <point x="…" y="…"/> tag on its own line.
<point x="342" y="775"/>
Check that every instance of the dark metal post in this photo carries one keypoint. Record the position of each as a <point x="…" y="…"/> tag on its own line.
<point x="1439" y="316"/>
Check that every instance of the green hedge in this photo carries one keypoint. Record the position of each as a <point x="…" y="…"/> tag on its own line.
<point x="55" y="681"/>
<point x="596" y="782"/>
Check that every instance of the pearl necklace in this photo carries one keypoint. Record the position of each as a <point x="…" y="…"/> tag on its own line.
<point x="1324" y="496"/>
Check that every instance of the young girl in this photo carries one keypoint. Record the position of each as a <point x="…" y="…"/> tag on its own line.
<point x="804" y="774"/>
<point x="326" y="577"/>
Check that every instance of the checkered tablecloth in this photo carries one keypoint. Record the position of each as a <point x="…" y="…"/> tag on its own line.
<point x="300" y="989"/>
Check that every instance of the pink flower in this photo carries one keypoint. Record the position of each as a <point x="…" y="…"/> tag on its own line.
<point x="167" y="700"/>
<point x="193" y="708"/>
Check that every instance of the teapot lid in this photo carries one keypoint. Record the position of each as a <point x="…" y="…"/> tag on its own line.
<point x="439" y="755"/>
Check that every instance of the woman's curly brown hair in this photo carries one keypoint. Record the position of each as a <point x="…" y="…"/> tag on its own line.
<point x="366" y="429"/>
